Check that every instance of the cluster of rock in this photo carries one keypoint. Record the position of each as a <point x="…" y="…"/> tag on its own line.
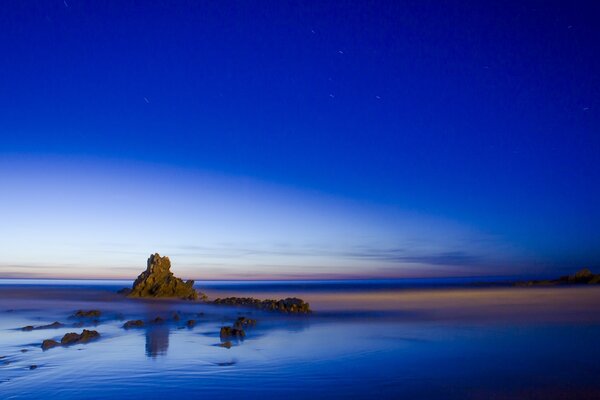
<point x="158" y="281"/>
<point x="71" y="338"/>
<point x="584" y="276"/>
<point x="289" y="305"/>
<point x="236" y="332"/>
<point x="138" y="323"/>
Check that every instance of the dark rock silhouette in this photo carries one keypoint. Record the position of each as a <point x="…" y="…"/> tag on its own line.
<point x="584" y="276"/>
<point x="158" y="281"/>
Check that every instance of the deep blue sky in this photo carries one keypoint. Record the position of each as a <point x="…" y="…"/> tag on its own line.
<point x="467" y="116"/>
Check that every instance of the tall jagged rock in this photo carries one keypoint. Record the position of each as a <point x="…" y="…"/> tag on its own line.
<point x="158" y="281"/>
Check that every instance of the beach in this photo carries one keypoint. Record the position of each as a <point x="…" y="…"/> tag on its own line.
<point x="361" y="341"/>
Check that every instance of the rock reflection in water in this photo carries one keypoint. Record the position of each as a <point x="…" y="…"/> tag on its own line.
<point x="157" y="341"/>
<point x="157" y="330"/>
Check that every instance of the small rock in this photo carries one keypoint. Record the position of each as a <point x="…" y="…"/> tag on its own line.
<point x="49" y="343"/>
<point x="202" y="296"/>
<point x="226" y="344"/>
<point x="137" y="323"/>
<point x="33" y="366"/>
<point x="191" y="323"/>
<point x="176" y="316"/>
<point x="158" y="320"/>
<point x="70" y="338"/>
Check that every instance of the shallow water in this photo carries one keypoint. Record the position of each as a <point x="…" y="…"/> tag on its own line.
<point x="366" y="340"/>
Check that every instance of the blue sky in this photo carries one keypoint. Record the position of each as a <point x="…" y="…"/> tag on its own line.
<point x="270" y="139"/>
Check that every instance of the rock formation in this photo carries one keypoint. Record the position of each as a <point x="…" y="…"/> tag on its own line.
<point x="158" y="281"/>
<point x="584" y="276"/>
<point x="290" y="305"/>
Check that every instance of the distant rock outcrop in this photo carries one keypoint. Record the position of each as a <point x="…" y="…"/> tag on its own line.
<point x="158" y="281"/>
<point x="292" y="305"/>
<point x="584" y="276"/>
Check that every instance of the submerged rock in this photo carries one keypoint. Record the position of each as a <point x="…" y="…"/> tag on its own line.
<point x="242" y="322"/>
<point x="137" y="323"/>
<point x="87" y="314"/>
<point x="228" y="332"/>
<point x="158" y="281"/>
<point x="289" y="305"/>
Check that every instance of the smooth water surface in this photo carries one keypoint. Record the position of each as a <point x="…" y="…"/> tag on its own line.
<point x="365" y="340"/>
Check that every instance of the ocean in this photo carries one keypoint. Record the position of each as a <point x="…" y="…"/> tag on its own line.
<point x="389" y="339"/>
